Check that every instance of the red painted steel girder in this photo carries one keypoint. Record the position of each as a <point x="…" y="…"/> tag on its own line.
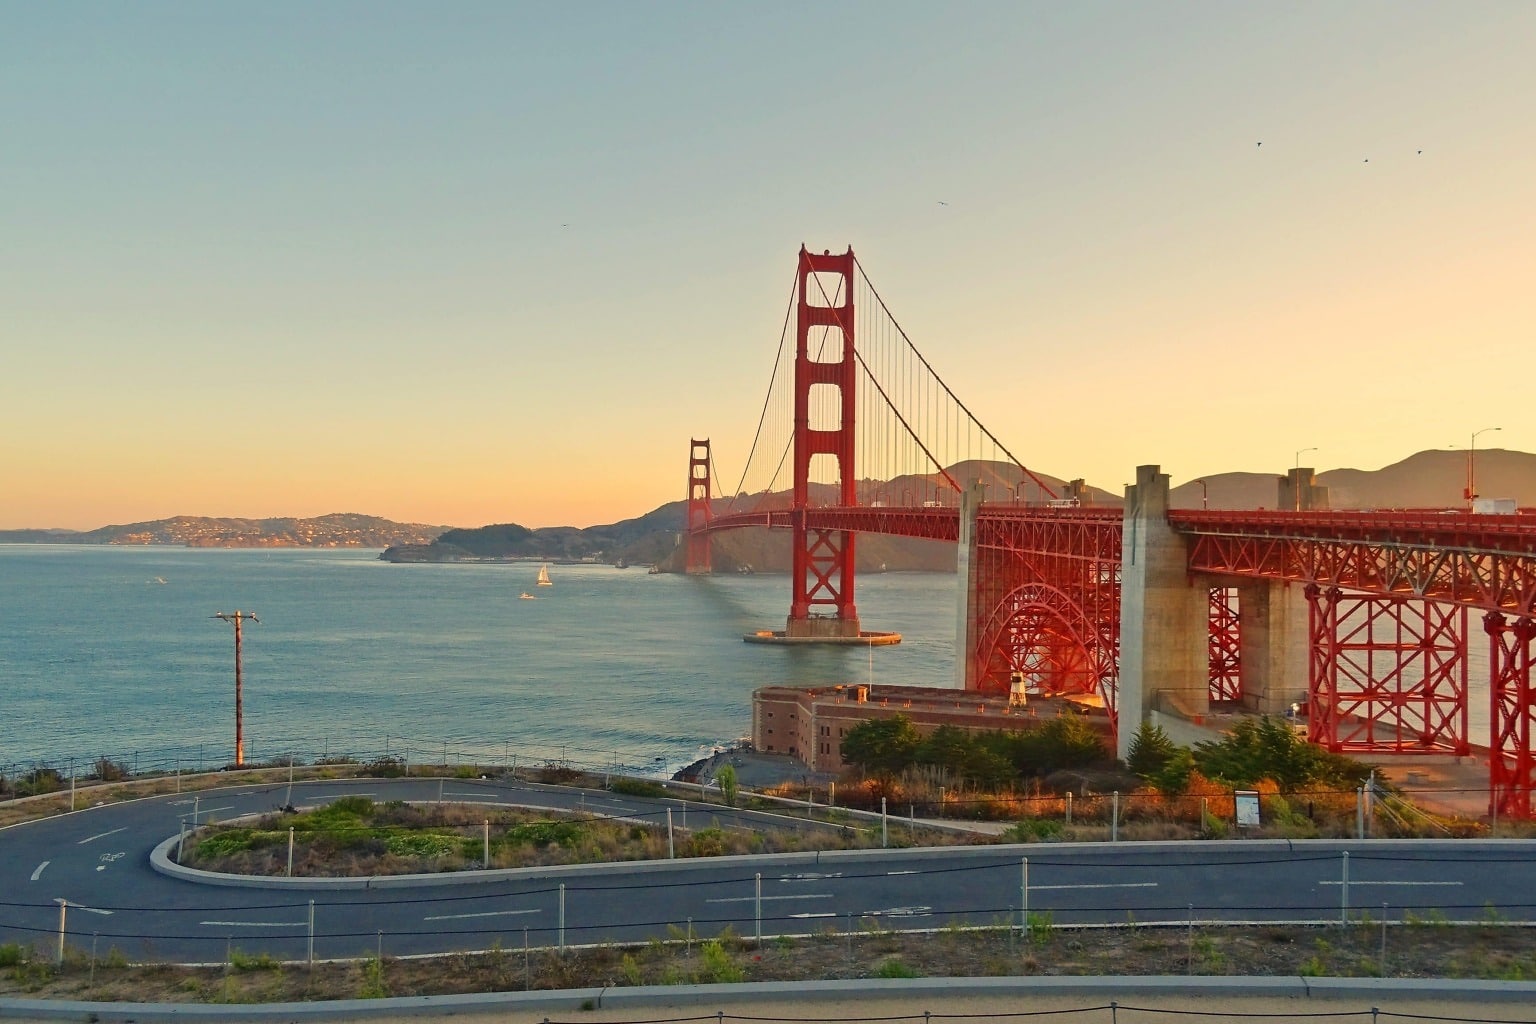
<point x="1486" y="562"/>
<point x="1387" y="673"/>
<point x="1223" y="645"/>
<point x="1047" y="600"/>
<point x="1512" y="769"/>
<point x="928" y="523"/>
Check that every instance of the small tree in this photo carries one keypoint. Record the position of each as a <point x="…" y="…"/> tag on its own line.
<point x="1150" y="752"/>
<point x="726" y="777"/>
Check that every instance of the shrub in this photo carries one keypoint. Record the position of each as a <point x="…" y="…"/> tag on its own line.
<point x="637" y="787"/>
<point x="719" y="966"/>
<point x="108" y="770"/>
<point x="248" y="962"/>
<point x="385" y="768"/>
<point x="894" y="968"/>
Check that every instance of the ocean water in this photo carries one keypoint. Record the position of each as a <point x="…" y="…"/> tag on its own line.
<point x="354" y="655"/>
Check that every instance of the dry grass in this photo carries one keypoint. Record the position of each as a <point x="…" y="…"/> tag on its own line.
<point x="1412" y="952"/>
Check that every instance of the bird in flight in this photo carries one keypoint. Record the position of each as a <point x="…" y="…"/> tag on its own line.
<point x="943" y="203"/>
<point x="1256" y="145"/>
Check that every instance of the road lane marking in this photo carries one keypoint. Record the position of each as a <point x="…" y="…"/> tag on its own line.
<point x="903" y="872"/>
<point x="36" y="874"/>
<point x="900" y="912"/>
<point x="206" y="810"/>
<point x="811" y="876"/>
<point x="487" y="913"/>
<point x="88" y="910"/>
<point x="1335" y="881"/>
<point x="828" y="913"/>
<point x="749" y="899"/>
<point x="1097" y="885"/>
<point x="256" y="924"/>
<point x="102" y="835"/>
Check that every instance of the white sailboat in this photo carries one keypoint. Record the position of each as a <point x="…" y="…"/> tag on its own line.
<point x="544" y="580"/>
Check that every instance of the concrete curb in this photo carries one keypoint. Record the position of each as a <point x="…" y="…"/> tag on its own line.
<point x="577" y="1000"/>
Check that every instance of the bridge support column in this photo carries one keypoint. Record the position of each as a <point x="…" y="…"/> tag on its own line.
<point x="967" y="669"/>
<point x="1164" y="655"/>
<point x="1273" y="641"/>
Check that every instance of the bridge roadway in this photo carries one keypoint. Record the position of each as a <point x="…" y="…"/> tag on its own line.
<point x="99" y="860"/>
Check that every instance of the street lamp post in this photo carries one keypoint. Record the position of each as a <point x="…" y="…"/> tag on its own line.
<point x="1205" y="498"/>
<point x="1471" y="492"/>
<point x="1296" y="479"/>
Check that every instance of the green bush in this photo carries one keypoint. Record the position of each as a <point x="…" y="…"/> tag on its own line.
<point x="719" y="967"/>
<point x="637" y="787"/>
<point x="894" y="968"/>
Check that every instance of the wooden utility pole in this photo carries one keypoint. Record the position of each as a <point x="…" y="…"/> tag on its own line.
<point x="237" y="618"/>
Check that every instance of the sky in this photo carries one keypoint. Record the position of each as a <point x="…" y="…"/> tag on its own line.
<point x="467" y="263"/>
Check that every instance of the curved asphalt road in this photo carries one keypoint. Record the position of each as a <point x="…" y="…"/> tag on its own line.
<point x="98" y="860"/>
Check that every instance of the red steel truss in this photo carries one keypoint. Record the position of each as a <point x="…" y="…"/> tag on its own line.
<point x="822" y="560"/>
<point x="1047" y="601"/>
<point x="1512" y="773"/>
<point x="1478" y="561"/>
<point x="1386" y="673"/>
<point x="1222" y="631"/>
<point x="698" y="554"/>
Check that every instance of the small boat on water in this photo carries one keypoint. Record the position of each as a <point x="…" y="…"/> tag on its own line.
<point x="525" y="596"/>
<point x="543" y="579"/>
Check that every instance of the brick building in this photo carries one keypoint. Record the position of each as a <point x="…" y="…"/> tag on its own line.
<point x="810" y="722"/>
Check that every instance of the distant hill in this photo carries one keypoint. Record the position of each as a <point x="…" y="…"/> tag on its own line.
<point x="339" y="530"/>
<point x="1430" y="479"/>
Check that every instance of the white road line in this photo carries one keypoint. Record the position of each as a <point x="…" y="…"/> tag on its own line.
<point x="903" y="872"/>
<point x="38" y="873"/>
<point x="900" y="912"/>
<point x="826" y="914"/>
<point x="488" y="913"/>
<point x="102" y="835"/>
<point x="207" y="810"/>
<point x="811" y="876"/>
<point x="749" y="899"/>
<point x="1335" y="881"/>
<point x="256" y="924"/>
<point x="88" y="910"/>
<point x="1098" y="885"/>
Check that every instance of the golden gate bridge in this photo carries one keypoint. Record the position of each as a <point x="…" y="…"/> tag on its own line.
<point x="1370" y="613"/>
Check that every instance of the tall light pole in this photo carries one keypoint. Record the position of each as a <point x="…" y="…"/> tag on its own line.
<point x="1204" y="495"/>
<point x="1296" y="479"/>
<point x="237" y="618"/>
<point x="1471" y="492"/>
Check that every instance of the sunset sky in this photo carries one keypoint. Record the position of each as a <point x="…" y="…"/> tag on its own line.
<point x="467" y="263"/>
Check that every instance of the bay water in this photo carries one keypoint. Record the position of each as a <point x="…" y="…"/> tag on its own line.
<point x="115" y="652"/>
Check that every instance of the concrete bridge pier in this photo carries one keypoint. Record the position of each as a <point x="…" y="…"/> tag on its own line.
<point x="1274" y="645"/>
<point x="1164" y="616"/>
